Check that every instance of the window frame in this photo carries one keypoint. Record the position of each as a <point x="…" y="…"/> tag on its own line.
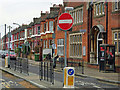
<point x="99" y="9"/>
<point x="51" y="26"/>
<point x="46" y="26"/>
<point x="115" y="6"/>
<point x="38" y="30"/>
<point x="75" y="43"/>
<point x="116" y="40"/>
<point x="77" y="15"/>
<point x="60" y="45"/>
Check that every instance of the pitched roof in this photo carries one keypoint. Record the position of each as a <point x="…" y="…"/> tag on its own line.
<point x="52" y="14"/>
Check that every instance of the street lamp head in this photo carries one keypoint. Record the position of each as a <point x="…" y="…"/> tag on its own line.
<point x="16" y="24"/>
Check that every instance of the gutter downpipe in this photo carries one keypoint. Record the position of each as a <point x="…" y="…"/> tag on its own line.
<point x="88" y="37"/>
<point x="106" y="22"/>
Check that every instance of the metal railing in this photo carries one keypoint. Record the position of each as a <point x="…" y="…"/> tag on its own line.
<point x="20" y="64"/>
<point x="46" y="71"/>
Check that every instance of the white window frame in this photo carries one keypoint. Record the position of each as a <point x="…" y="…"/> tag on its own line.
<point x="119" y="46"/>
<point x="118" y="35"/>
<point x="77" y="15"/>
<point x="75" y="43"/>
<point x="38" y="30"/>
<point x="115" y="36"/>
<point x="60" y="45"/>
<point x="99" y="8"/>
<point x="51" y="26"/>
<point x="96" y="9"/>
<point x="116" y="4"/>
<point x="44" y="44"/>
<point x="103" y="9"/>
<point x="116" y="40"/>
<point x="46" y="26"/>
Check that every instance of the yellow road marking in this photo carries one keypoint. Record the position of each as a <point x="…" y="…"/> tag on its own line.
<point x="5" y="85"/>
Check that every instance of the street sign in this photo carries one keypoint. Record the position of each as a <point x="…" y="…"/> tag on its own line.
<point x="65" y="21"/>
<point x="70" y="72"/>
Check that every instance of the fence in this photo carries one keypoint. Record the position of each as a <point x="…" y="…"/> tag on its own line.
<point x="78" y="65"/>
<point x="20" y="64"/>
<point x="46" y="71"/>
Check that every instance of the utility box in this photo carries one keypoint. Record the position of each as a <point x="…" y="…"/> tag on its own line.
<point x="107" y="57"/>
<point x="69" y="77"/>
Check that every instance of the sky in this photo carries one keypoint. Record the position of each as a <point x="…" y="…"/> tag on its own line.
<point x="22" y="11"/>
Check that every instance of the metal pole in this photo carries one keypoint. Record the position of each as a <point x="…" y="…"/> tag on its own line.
<point x="19" y="42"/>
<point x="0" y="41"/>
<point x="9" y="48"/>
<point x="5" y="36"/>
<point x="65" y="48"/>
<point x="19" y="37"/>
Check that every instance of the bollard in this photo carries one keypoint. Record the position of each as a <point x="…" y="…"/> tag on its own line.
<point x="41" y="71"/>
<point x="20" y="65"/>
<point x="82" y="66"/>
<point x="69" y="78"/>
<point x="50" y="72"/>
<point x="44" y="70"/>
<point x="52" y="75"/>
<point x="47" y="71"/>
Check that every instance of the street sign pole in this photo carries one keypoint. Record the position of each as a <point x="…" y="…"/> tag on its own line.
<point x="65" y="48"/>
<point x="65" y="22"/>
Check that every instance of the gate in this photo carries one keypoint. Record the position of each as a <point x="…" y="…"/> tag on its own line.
<point x="20" y="64"/>
<point x="46" y="71"/>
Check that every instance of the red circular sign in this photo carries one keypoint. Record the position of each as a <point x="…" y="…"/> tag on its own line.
<point x="65" y="21"/>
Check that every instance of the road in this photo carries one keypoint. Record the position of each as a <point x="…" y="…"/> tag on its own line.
<point x="10" y="81"/>
<point x="81" y="82"/>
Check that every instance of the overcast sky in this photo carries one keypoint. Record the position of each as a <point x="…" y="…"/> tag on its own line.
<point x="22" y="11"/>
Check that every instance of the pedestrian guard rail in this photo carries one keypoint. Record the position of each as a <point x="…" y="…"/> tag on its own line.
<point x="20" y="65"/>
<point x="46" y="71"/>
<point x="78" y="65"/>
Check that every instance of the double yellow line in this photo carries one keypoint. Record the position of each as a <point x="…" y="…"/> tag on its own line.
<point x="6" y="85"/>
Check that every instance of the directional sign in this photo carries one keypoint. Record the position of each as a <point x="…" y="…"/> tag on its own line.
<point x="65" y="21"/>
<point x="70" y="72"/>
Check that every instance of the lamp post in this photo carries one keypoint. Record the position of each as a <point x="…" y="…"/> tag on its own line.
<point x="19" y="37"/>
<point x="9" y="46"/>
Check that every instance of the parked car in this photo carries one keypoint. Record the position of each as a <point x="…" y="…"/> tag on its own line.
<point x="4" y="53"/>
<point x="12" y="55"/>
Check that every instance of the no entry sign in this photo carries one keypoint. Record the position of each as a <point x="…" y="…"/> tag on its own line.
<point x="65" y="21"/>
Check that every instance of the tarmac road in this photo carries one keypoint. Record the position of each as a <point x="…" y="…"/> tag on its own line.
<point x="10" y="81"/>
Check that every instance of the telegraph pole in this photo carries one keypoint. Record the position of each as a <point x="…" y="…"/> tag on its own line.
<point x="5" y="36"/>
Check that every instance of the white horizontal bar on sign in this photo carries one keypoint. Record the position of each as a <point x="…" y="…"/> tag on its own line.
<point x="65" y="21"/>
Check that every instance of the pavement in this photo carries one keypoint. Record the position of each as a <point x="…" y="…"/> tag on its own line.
<point x="112" y="77"/>
<point x="88" y="72"/>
